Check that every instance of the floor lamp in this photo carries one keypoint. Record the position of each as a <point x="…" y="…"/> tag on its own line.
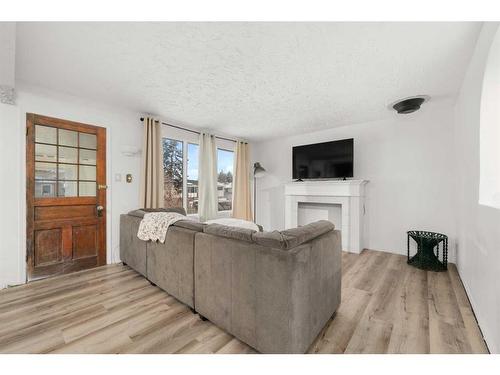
<point x="258" y="171"/>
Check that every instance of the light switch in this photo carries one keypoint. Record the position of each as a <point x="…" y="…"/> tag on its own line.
<point x="118" y="177"/>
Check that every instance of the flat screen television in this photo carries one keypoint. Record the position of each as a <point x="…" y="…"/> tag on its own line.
<point x="324" y="160"/>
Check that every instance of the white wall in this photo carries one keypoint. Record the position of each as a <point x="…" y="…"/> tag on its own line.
<point x="408" y="161"/>
<point x="10" y="195"/>
<point x="123" y="129"/>
<point x="478" y="255"/>
<point x="7" y="53"/>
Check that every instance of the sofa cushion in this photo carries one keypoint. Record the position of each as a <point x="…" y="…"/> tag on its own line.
<point x="141" y="211"/>
<point x="290" y="238"/>
<point x="170" y="264"/>
<point x="236" y="233"/>
<point x="190" y="224"/>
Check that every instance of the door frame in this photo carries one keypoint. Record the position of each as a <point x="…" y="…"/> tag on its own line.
<point x="31" y="120"/>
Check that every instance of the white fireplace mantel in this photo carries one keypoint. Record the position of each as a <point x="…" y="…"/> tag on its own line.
<point x="348" y="194"/>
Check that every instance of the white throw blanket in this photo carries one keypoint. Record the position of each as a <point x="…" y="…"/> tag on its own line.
<point x="231" y="222"/>
<point x="154" y="225"/>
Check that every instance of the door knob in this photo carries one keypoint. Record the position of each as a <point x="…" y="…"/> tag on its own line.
<point x="100" y="209"/>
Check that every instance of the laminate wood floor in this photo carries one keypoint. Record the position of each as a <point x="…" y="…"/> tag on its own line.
<point x="387" y="307"/>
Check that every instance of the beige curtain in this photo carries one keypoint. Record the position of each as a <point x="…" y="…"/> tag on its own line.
<point x="207" y="177"/>
<point x="242" y="195"/>
<point x="152" y="166"/>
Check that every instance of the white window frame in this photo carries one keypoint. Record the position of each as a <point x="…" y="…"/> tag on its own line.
<point x="185" y="178"/>
<point x="489" y="130"/>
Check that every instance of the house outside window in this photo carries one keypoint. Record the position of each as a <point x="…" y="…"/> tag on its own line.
<point x="225" y="160"/>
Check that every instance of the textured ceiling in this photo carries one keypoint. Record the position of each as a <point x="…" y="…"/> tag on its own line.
<point x="252" y="80"/>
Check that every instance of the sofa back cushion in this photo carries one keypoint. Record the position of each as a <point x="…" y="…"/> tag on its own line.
<point x="284" y="240"/>
<point x="236" y="233"/>
<point x="190" y="224"/>
<point x="141" y="211"/>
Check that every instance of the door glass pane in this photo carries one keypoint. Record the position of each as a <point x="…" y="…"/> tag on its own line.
<point x="45" y="189"/>
<point x="45" y="153"/>
<point x="87" y="172"/>
<point x="66" y="163"/>
<point x="68" y="138"/>
<point x="88" y="141"/>
<point x="67" y="189"/>
<point x="192" y="178"/>
<point x="172" y="172"/>
<point x="67" y="172"/>
<point x="45" y="134"/>
<point x="68" y="155"/>
<point x="87" y="157"/>
<point x="225" y="179"/>
<point x="45" y="171"/>
<point x="87" y="189"/>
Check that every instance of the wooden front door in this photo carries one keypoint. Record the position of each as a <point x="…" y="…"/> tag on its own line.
<point x="66" y="196"/>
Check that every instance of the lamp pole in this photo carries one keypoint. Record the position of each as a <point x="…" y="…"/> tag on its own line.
<point x="258" y="170"/>
<point x="254" y="198"/>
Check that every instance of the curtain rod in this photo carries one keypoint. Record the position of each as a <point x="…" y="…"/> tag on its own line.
<point x="193" y="131"/>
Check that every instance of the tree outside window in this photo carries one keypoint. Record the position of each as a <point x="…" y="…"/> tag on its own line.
<point x="172" y="172"/>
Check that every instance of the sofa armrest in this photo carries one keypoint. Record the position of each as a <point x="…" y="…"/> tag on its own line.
<point x="132" y="249"/>
<point x="291" y="238"/>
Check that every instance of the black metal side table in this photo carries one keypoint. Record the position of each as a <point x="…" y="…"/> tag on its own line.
<point x="427" y="256"/>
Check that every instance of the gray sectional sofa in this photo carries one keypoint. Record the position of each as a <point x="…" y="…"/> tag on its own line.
<point x="274" y="291"/>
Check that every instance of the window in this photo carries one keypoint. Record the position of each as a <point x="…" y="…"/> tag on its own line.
<point x="192" y="178"/>
<point x="65" y="163"/>
<point x="225" y="179"/>
<point x="173" y="172"/>
<point x="489" y="139"/>
<point x="180" y="165"/>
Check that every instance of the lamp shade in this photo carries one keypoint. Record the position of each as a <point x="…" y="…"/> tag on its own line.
<point x="258" y="170"/>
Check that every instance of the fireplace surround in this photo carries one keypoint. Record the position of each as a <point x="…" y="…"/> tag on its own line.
<point x="349" y="194"/>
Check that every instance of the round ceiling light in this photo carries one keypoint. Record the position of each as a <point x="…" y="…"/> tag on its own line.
<point x="409" y="105"/>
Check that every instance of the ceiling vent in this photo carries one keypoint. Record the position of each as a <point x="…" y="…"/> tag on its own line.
<point x="409" y="105"/>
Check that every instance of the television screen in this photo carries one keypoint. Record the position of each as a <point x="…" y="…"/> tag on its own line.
<point x="324" y="160"/>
